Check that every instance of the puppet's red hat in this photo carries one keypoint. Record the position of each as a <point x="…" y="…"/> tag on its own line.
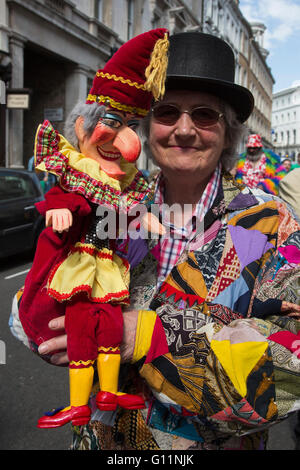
<point x="134" y="75"/>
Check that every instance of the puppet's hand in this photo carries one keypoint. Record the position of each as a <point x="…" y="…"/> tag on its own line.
<point x="151" y="224"/>
<point x="60" y="219"/>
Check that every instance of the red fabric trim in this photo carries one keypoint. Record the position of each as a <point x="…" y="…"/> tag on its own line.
<point x="159" y="345"/>
<point x="116" y="297"/>
<point x="81" y="366"/>
<point x="93" y="251"/>
<point x="108" y="351"/>
<point x="180" y="295"/>
<point x="287" y="339"/>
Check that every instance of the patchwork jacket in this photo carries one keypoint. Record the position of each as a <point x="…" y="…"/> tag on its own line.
<point x="226" y="360"/>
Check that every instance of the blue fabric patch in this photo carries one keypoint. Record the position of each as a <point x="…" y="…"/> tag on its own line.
<point x="231" y="295"/>
<point x="163" y="419"/>
<point x="242" y="304"/>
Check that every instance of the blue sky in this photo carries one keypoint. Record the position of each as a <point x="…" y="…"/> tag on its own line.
<point x="281" y="39"/>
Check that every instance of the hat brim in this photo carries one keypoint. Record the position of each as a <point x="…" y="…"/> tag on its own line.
<point x="239" y="97"/>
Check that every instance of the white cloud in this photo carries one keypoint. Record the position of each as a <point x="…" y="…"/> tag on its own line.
<point x="280" y="16"/>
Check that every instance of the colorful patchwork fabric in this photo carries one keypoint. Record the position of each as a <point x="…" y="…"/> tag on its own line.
<point x="270" y="177"/>
<point x="221" y="315"/>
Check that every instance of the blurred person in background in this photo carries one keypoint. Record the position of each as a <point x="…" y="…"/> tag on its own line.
<point x="258" y="167"/>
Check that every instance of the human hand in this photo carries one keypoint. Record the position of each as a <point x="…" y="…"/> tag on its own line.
<point x="130" y="325"/>
<point x="58" y="343"/>
<point x="290" y="310"/>
<point x="60" y="219"/>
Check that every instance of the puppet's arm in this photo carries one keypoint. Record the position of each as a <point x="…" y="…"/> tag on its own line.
<point x="58" y="207"/>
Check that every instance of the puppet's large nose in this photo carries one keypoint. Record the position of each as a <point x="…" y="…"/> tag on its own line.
<point x="128" y="144"/>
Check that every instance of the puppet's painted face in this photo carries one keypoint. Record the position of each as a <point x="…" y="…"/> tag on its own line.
<point x="114" y="137"/>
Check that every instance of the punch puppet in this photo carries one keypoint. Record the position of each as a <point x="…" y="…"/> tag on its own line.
<point x="75" y="273"/>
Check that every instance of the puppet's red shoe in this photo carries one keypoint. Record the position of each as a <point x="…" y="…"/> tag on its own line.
<point x="131" y="402"/>
<point x="106" y="401"/>
<point x="78" y="415"/>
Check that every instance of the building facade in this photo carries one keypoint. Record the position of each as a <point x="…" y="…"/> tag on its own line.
<point x="51" y="50"/>
<point x="224" y="19"/>
<point x="286" y="121"/>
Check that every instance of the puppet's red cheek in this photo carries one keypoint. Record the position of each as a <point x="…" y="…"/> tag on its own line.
<point x="102" y="134"/>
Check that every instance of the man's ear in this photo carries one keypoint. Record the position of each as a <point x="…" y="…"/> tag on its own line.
<point x="79" y="129"/>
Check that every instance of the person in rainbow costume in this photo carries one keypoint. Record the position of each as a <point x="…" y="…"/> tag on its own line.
<point x="74" y="271"/>
<point x="259" y="167"/>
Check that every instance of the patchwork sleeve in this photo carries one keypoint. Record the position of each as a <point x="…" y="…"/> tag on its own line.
<point x="278" y="278"/>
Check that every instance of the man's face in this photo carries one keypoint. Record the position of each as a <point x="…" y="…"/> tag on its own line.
<point x="287" y="164"/>
<point x="114" y="137"/>
<point x="184" y="149"/>
<point x="253" y="153"/>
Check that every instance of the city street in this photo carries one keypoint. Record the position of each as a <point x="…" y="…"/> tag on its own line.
<point x="29" y="386"/>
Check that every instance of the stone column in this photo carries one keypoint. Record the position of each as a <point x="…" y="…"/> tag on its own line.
<point x="15" y="133"/>
<point x="76" y="87"/>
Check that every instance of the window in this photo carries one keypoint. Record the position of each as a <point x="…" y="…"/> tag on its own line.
<point x="99" y="10"/>
<point x="130" y="8"/>
<point x="16" y="186"/>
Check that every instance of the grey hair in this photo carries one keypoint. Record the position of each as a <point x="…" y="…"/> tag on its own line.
<point x="91" y="114"/>
<point x="234" y="132"/>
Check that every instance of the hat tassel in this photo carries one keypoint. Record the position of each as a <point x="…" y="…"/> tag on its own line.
<point x="156" y="71"/>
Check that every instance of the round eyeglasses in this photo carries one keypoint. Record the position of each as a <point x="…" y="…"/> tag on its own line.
<point x="202" y="116"/>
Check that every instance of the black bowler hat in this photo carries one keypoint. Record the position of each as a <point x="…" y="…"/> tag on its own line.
<point x="203" y="62"/>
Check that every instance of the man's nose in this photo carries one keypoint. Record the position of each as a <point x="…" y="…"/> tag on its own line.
<point x="185" y="126"/>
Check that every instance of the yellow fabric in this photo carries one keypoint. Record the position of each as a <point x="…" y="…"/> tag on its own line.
<point x="108" y="366"/>
<point x="188" y="274"/>
<point x="156" y="71"/>
<point x="104" y="278"/>
<point x="267" y="225"/>
<point x="144" y="331"/>
<point x="91" y="167"/>
<point x="81" y="381"/>
<point x="115" y="104"/>
<point x="109" y="350"/>
<point x="158" y="382"/>
<point x="238" y="360"/>
<point x="139" y="86"/>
